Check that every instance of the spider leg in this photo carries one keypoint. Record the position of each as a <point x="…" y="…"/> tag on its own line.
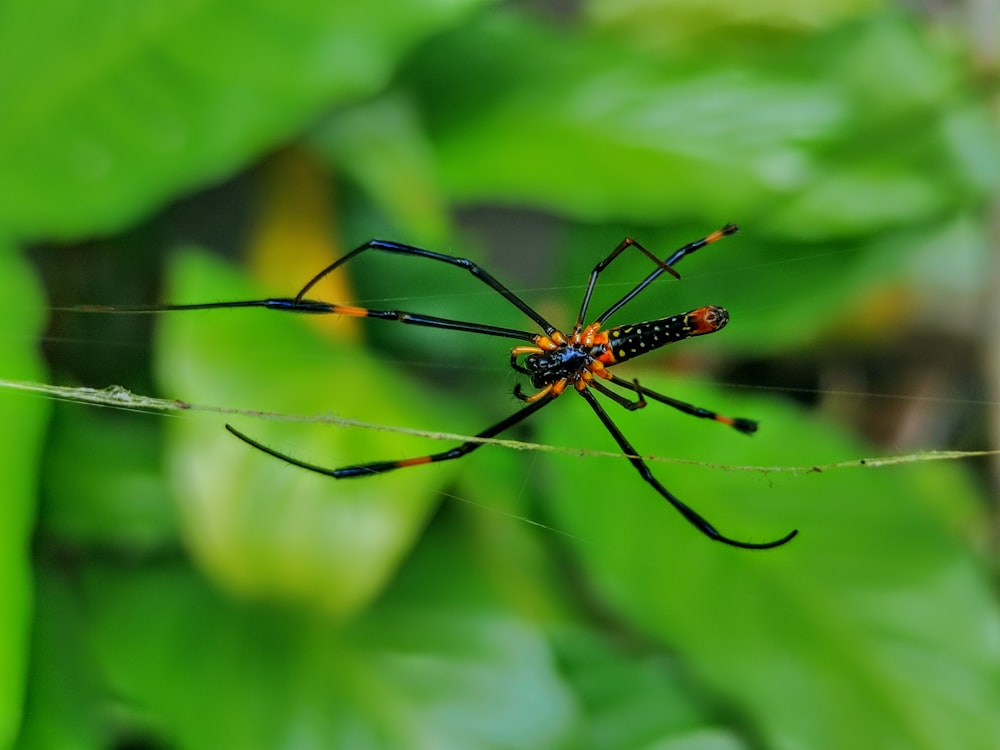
<point x="600" y="267"/>
<point x="317" y="307"/>
<point x="401" y="316"/>
<point x="694" y="518"/>
<point x="639" y="403"/>
<point x="300" y="304"/>
<point x="746" y="426"/>
<point x="473" y="268"/>
<point x="380" y="467"/>
<point x="665" y="265"/>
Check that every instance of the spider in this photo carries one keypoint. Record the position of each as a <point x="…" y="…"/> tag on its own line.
<point x="553" y="361"/>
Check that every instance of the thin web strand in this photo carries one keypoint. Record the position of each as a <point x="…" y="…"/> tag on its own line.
<point x="117" y="397"/>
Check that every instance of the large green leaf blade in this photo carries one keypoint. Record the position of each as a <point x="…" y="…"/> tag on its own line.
<point x="113" y="108"/>
<point x="437" y="664"/>
<point x="617" y="132"/>
<point x="24" y="417"/>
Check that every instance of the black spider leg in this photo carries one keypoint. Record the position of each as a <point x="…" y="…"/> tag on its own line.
<point x="665" y="265"/>
<point x="600" y="267"/>
<point x="380" y="467"/>
<point x="400" y="316"/>
<point x="746" y="426"/>
<point x="694" y="518"/>
<point x="300" y="304"/>
<point x="619" y="399"/>
<point x="317" y="307"/>
<point x="473" y="268"/>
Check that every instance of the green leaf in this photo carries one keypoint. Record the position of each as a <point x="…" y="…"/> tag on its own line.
<point x="383" y="148"/>
<point x="64" y="694"/>
<point x="634" y="699"/>
<point x="112" y="109"/>
<point x="436" y="664"/>
<point x="110" y="490"/>
<point x="872" y="628"/>
<point x="601" y="131"/>
<point x="588" y="127"/>
<point x="24" y="418"/>
<point x="845" y="202"/>
<point x="655" y="22"/>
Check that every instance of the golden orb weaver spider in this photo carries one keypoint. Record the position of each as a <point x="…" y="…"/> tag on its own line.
<point x="553" y="361"/>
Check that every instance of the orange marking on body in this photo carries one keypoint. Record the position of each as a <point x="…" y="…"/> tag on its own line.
<point x="358" y="312"/>
<point x="558" y="387"/>
<point x="607" y="357"/>
<point x="415" y="461"/>
<point x="597" y="367"/>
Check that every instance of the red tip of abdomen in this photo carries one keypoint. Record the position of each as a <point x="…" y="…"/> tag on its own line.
<point x="707" y="319"/>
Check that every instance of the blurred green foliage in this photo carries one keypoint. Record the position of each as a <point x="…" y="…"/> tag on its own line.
<point x="182" y="590"/>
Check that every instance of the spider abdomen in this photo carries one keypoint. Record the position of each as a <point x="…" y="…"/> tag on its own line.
<point x="629" y="341"/>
